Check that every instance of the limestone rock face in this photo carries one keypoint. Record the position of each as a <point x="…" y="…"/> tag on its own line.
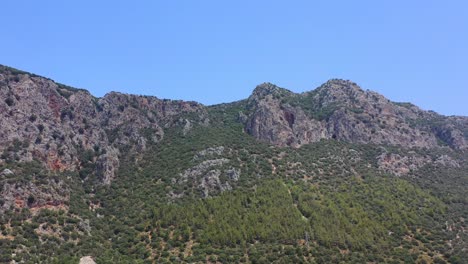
<point x="209" y="176"/>
<point x="341" y="110"/>
<point x="279" y="123"/>
<point x="6" y="172"/>
<point x="87" y="260"/>
<point x="19" y="194"/>
<point x="67" y="128"/>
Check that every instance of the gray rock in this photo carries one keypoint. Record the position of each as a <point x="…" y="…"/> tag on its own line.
<point x="6" y="172"/>
<point x="187" y="127"/>
<point x="87" y="260"/>
<point x="45" y="121"/>
<point x="206" y="175"/>
<point x="213" y="151"/>
<point x="447" y="161"/>
<point x="233" y="174"/>
<point x="341" y="110"/>
<point x="62" y="127"/>
<point x="51" y="194"/>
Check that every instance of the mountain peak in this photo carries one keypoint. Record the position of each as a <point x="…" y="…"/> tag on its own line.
<point x="61" y="147"/>
<point x="341" y="86"/>
<point x="267" y="88"/>
<point x="340" y="109"/>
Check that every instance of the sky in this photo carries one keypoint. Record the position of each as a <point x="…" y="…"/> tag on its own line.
<point x="218" y="51"/>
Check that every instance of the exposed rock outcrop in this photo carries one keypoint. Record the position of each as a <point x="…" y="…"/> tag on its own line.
<point x="207" y="176"/>
<point x="67" y="129"/>
<point x="16" y="194"/>
<point x="342" y="110"/>
<point x="6" y="172"/>
<point x="87" y="260"/>
<point x="403" y="164"/>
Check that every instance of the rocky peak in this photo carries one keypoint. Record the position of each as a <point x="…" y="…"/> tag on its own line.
<point x="346" y="93"/>
<point x="268" y="89"/>
<point x="68" y="129"/>
<point x="341" y="110"/>
<point x="340" y="85"/>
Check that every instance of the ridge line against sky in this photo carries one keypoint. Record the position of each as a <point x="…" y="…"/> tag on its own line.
<point x="218" y="51"/>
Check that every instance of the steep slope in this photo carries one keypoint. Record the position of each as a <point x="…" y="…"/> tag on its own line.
<point x="67" y="129"/>
<point x="342" y="110"/>
<point x="54" y="123"/>
<point x="334" y="175"/>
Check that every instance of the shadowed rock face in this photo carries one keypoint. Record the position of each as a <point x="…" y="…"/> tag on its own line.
<point x="342" y="110"/>
<point x="58" y="125"/>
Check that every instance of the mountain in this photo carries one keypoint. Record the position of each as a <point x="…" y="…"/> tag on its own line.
<point x="336" y="174"/>
<point x="341" y="110"/>
<point x="59" y="123"/>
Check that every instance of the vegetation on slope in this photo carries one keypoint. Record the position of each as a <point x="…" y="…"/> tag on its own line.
<point x="323" y="203"/>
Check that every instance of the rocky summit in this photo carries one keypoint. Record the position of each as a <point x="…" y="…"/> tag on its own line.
<point x="341" y="110"/>
<point x="337" y="174"/>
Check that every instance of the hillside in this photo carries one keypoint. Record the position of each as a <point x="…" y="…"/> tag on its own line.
<point x="336" y="174"/>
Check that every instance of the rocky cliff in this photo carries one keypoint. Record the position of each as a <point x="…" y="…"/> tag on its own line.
<point x="127" y="177"/>
<point x="69" y="129"/>
<point x="341" y="110"/>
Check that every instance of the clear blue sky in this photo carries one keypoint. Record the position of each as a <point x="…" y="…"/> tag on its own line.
<point x="218" y="51"/>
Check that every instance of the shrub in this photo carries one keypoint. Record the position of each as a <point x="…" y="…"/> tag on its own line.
<point x="32" y="118"/>
<point x="9" y="101"/>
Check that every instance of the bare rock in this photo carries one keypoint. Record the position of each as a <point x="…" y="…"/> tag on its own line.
<point x="341" y="110"/>
<point x="213" y="151"/>
<point x="87" y="260"/>
<point x="35" y="194"/>
<point x="401" y="165"/>
<point x="210" y="175"/>
<point x="56" y="124"/>
<point x="211" y="182"/>
<point x="447" y="161"/>
<point x="6" y="172"/>
<point x="233" y="174"/>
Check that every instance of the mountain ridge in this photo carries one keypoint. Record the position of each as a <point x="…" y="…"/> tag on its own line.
<point x="338" y="109"/>
<point x="18" y="71"/>
<point x="326" y="109"/>
<point x="138" y="179"/>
